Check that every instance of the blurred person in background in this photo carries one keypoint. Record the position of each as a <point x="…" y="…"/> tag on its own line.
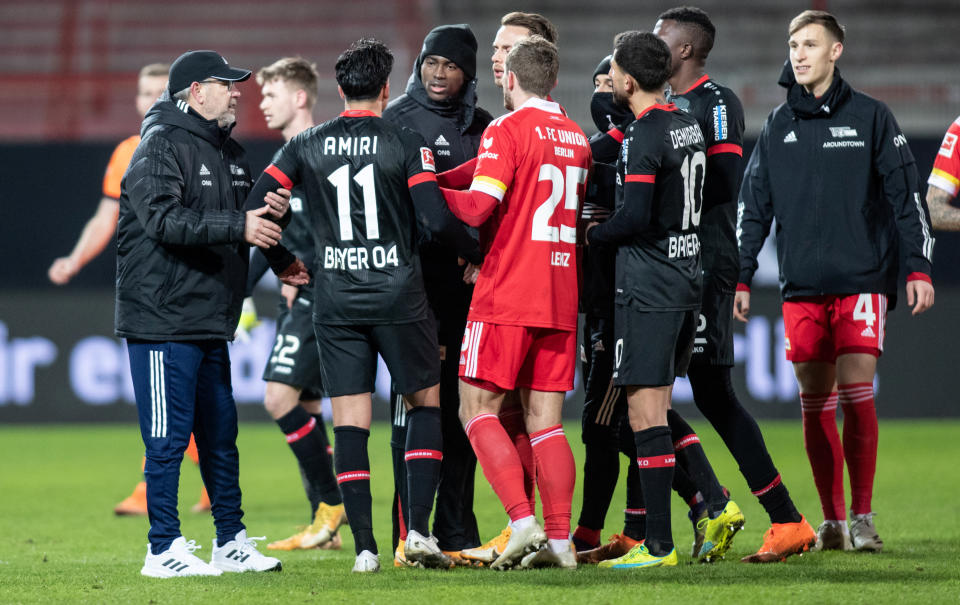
<point x="294" y="387"/>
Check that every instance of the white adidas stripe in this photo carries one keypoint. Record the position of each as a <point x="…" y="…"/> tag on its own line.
<point x="541" y="438"/>
<point x="473" y="348"/>
<point x="158" y="396"/>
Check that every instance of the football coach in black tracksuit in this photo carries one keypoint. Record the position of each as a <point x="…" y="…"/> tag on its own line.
<point x="182" y="255"/>
<point x="440" y="103"/>
<point x="832" y="166"/>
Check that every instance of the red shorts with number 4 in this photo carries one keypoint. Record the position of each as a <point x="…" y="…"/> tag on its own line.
<point x="819" y="328"/>
<point x="510" y="357"/>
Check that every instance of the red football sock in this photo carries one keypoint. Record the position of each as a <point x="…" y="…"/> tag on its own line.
<point x="500" y="463"/>
<point x="587" y="536"/>
<point x="512" y="420"/>
<point x="556" y="474"/>
<point x="822" y="442"/>
<point x="860" y="432"/>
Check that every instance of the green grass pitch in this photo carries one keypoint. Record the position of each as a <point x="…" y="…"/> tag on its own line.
<point x="60" y="543"/>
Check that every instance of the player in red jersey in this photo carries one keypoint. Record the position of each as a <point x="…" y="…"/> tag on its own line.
<point x="944" y="182"/>
<point x="521" y="331"/>
<point x="513" y="26"/>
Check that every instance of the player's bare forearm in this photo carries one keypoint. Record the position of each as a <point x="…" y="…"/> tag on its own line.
<point x="96" y="234"/>
<point x="942" y="214"/>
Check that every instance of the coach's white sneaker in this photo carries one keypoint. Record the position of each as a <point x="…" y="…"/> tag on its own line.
<point x="366" y="562"/>
<point x="178" y="560"/>
<point x="241" y="554"/>
<point x="422" y="550"/>
<point x="523" y="540"/>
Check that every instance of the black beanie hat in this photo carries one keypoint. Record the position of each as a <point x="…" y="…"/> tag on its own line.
<point x="455" y="43"/>
<point x="602" y="68"/>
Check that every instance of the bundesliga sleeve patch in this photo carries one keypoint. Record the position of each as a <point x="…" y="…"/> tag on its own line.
<point x="948" y="145"/>
<point x="426" y="159"/>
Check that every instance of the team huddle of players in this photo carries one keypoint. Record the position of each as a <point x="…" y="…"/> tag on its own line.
<point x="427" y="224"/>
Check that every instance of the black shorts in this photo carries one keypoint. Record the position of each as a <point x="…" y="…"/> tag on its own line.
<point x="348" y="356"/>
<point x="713" y="344"/>
<point x="604" y="404"/>
<point x="294" y="359"/>
<point x="652" y="348"/>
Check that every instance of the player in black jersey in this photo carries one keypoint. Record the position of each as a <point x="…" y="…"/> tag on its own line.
<point x="368" y="184"/>
<point x="606" y="429"/>
<point x="689" y="34"/>
<point x="440" y="103"/>
<point x="294" y="387"/>
<point x="659" y="200"/>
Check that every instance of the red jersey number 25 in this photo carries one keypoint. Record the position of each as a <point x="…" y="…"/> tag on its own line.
<point x="564" y="190"/>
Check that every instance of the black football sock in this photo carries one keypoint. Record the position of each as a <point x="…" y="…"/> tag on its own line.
<point x="692" y="458"/>
<point x="715" y="398"/>
<point x="322" y="431"/>
<point x="308" y="442"/>
<point x="635" y="515"/>
<point x="398" y="446"/>
<point x="655" y="458"/>
<point x="353" y="474"/>
<point x="684" y="485"/>
<point x="601" y="466"/>
<point x="423" y="455"/>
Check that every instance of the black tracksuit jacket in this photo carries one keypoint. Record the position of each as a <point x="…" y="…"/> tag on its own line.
<point x="181" y="257"/>
<point x="839" y="178"/>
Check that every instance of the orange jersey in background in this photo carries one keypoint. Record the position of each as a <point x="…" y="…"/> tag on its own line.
<point x="118" y="166"/>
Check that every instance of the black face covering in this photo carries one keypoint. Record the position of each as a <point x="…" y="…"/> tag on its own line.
<point x="606" y="112"/>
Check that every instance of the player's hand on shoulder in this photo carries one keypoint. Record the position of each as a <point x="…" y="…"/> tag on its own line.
<point x="741" y="306"/>
<point x="296" y="274"/>
<point x="260" y="231"/>
<point x="920" y="295"/>
<point x="277" y="202"/>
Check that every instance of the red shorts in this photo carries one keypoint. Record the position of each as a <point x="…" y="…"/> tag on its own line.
<point x="819" y="328"/>
<point x="541" y="359"/>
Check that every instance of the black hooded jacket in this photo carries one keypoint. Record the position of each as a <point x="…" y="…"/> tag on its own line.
<point x="453" y="130"/>
<point x="181" y="257"/>
<point x="837" y="174"/>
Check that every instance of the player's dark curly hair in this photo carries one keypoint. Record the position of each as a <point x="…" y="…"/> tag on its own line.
<point x="697" y="23"/>
<point x="363" y="69"/>
<point x="643" y="56"/>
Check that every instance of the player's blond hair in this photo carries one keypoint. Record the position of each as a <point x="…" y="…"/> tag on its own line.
<point x="155" y="70"/>
<point x="828" y="21"/>
<point x="297" y="71"/>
